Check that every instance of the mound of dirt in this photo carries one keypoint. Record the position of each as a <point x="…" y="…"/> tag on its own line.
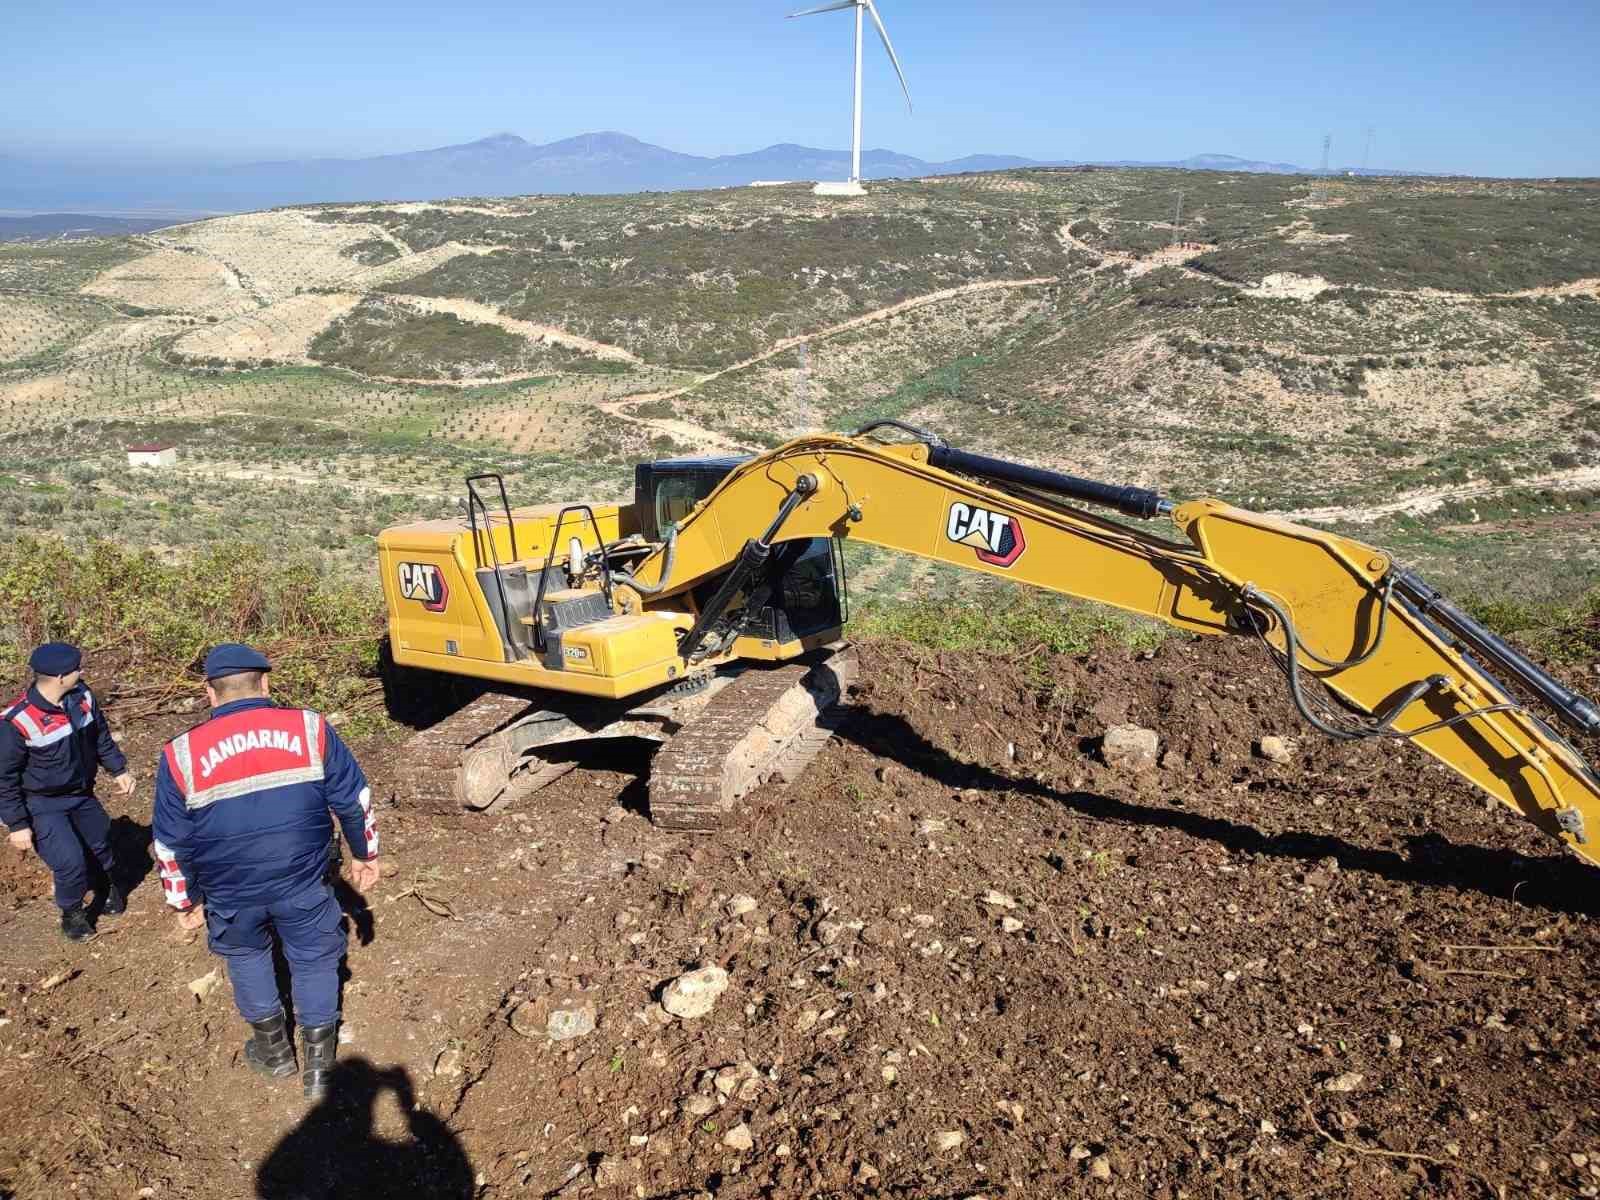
<point x="964" y="957"/>
<point x="969" y="958"/>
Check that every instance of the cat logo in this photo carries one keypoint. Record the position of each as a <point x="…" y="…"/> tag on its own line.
<point x="424" y="582"/>
<point x="995" y="536"/>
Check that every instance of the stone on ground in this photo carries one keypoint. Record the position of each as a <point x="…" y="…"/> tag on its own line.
<point x="1130" y="748"/>
<point x="693" y="995"/>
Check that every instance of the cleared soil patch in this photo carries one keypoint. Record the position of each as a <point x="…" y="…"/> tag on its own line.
<point x="278" y="253"/>
<point x="281" y="332"/>
<point x="1432" y="499"/>
<point x="471" y="310"/>
<point x="973" y="961"/>
<point x="174" y="281"/>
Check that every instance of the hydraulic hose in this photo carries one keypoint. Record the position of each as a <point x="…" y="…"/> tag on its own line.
<point x="660" y="585"/>
<point x="1577" y="710"/>
<point x="1382" y="726"/>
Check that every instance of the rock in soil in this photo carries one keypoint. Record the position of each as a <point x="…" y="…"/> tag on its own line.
<point x="448" y="1064"/>
<point x="571" y="1021"/>
<point x="561" y="1019"/>
<point x="1275" y="749"/>
<point x="1348" y="1082"/>
<point x="1130" y="748"/>
<point x="693" y="995"/>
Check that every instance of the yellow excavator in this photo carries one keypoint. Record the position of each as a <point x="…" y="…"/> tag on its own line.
<point x="707" y="616"/>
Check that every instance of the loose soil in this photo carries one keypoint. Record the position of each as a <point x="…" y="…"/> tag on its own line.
<point x="976" y="961"/>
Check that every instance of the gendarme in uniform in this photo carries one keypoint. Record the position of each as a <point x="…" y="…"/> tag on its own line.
<point x="53" y="740"/>
<point x="242" y="825"/>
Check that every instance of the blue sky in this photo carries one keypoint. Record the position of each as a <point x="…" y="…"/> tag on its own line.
<point x="1483" y="88"/>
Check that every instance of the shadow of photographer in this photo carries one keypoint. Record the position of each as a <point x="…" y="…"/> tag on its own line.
<point x="337" y="1153"/>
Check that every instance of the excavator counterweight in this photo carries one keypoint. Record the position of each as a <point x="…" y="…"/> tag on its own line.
<point x="707" y="614"/>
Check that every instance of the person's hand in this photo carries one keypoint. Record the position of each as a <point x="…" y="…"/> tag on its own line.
<point x="22" y="839"/>
<point x="364" y="873"/>
<point x="192" y="918"/>
<point x="124" y="782"/>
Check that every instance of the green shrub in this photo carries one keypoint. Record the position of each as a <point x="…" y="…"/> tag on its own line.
<point x="373" y="252"/>
<point x="1022" y="623"/>
<point x="1561" y="632"/>
<point x="148" y="623"/>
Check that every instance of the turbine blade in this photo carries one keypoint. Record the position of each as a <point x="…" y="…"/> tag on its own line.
<point x="825" y="8"/>
<point x="887" y="45"/>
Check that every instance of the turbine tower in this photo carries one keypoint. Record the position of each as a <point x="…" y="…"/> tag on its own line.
<point x="853" y="187"/>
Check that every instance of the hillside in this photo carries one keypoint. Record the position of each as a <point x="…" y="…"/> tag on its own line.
<point x="502" y="164"/>
<point x="1343" y="349"/>
<point x="970" y="952"/>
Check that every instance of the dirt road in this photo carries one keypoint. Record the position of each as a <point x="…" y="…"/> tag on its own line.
<point x="1432" y="499"/>
<point x="703" y="438"/>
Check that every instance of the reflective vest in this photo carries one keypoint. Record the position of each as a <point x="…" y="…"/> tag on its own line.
<point x="244" y="752"/>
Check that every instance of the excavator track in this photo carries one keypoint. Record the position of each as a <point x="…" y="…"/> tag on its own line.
<point x="719" y="741"/>
<point x="768" y="723"/>
<point x="434" y="756"/>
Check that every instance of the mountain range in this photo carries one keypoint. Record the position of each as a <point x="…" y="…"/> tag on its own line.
<point x="501" y="165"/>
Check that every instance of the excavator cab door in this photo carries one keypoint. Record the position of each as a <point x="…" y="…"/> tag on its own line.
<point x="805" y="577"/>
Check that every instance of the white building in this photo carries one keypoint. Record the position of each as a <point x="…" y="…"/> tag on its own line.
<point x="152" y="454"/>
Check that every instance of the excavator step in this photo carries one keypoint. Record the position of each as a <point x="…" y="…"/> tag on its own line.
<point x="767" y="723"/>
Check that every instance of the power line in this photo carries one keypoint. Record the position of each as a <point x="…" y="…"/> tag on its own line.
<point x="1319" y="191"/>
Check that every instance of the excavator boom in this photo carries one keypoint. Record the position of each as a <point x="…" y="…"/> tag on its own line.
<point x="1339" y="615"/>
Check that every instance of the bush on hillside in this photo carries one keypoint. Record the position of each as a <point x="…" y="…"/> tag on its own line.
<point x="145" y="625"/>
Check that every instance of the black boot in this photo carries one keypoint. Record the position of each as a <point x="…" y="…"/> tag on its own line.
<point x="270" y="1049"/>
<point x="321" y="1045"/>
<point x="115" y="903"/>
<point x="75" y="926"/>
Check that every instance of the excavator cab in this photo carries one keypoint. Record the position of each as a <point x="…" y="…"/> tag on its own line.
<point x="803" y="587"/>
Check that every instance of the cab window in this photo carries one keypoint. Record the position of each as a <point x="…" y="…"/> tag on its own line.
<point x="676" y="497"/>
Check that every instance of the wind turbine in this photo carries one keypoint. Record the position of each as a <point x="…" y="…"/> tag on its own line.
<point x="853" y="187"/>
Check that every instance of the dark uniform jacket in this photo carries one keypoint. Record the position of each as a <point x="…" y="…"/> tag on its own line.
<point x="51" y="753"/>
<point x="242" y="802"/>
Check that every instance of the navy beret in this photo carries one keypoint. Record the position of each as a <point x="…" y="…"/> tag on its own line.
<point x="230" y="658"/>
<point x="55" y="658"/>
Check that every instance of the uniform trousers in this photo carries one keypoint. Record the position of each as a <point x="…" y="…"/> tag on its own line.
<point x="63" y="826"/>
<point x="311" y="930"/>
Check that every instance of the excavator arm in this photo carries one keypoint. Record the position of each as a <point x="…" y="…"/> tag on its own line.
<point x="1340" y="616"/>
